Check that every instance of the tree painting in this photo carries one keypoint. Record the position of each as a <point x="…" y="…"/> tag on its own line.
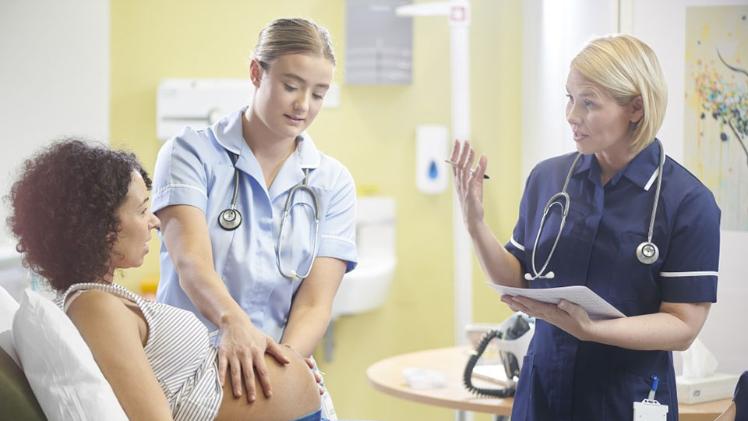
<point x="716" y="119"/>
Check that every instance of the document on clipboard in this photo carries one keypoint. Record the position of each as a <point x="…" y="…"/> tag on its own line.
<point x="595" y="305"/>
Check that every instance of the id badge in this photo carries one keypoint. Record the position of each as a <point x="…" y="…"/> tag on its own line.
<point x="650" y="410"/>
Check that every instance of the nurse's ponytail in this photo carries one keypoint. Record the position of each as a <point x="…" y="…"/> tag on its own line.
<point x="293" y="36"/>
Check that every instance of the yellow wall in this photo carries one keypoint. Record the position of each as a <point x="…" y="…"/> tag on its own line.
<point x="372" y="132"/>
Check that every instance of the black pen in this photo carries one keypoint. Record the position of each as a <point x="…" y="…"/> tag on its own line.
<point x="485" y="176"/>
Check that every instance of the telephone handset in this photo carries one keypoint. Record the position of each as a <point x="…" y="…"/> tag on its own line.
<point x="512" y="338"/>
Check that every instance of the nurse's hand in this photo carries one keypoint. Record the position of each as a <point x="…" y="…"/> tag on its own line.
<point x="317" y="376"/>
<point x="241" y="351"/>
<point x="565" y="315"/>
<point x="312" y="367"/>
<point x="469" y="182"/>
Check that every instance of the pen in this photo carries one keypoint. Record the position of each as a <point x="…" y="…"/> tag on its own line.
<point x="655" y="383"/>
<point x="485" y="176"/>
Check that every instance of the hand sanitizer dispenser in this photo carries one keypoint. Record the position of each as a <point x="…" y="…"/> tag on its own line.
<point x="431" y="152"/>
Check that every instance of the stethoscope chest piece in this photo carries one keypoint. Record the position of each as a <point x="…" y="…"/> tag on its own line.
<point x="647" y="252"/>
<point x="229" y="219"/>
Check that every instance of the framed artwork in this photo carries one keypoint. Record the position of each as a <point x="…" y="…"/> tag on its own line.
<point x="716" y="106"/>
<point x="686" y="35"/>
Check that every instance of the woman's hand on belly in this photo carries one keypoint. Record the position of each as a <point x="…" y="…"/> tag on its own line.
<point x="565" y="315"/>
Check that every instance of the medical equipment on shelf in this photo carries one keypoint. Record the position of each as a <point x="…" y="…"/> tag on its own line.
<point x="647" y="252"/>
<point x="197" y="103"/>
<point x="230" y="219"/>
<point x="512" y="340"/>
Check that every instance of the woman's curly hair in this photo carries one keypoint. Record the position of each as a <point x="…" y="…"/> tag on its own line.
<point x="63" y="209"/>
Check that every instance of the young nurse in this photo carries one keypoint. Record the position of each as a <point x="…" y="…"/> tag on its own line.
<point x="582" y="369"/>
<point x="229" y="252"/>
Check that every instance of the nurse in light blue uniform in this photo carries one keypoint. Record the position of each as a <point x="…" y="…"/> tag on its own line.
<point x="657" y="267"/>
<point x="261" y="287"/>
<point x="195" y="169"/>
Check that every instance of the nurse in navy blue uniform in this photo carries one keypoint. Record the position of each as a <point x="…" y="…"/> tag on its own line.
<point x="577" y="368"/>
<point x="738" y="409"/>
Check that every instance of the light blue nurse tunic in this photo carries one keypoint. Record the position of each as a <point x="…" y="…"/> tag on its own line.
<point x="196" y="169"/>
<point x="563" y="378"/>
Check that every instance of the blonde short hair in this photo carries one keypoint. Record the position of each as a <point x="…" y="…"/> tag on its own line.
<point x="293" y="36"/>
<point x="627" y="67"/>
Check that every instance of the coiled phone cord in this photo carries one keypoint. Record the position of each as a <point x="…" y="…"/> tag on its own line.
<point x="467" y="376"/>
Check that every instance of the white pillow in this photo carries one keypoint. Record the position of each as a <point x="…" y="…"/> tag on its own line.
<point x="59" y="366"/>
<point x="8" y="307"/>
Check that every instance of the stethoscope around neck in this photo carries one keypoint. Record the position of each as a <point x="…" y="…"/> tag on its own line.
<point x="230" y="219"/>
<point x="646" y="252"/>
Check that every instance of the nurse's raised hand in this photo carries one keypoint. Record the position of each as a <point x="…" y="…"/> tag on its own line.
<point x="241" y="351"/>
<point x="469" y="182"/>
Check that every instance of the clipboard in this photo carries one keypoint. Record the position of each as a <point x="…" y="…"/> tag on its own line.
<point x="595" y="305"/>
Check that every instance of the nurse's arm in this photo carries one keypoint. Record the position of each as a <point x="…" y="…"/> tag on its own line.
<point x="242" y="345"/>
<point x="186" y="236"/>
<point x="312" y="305"/>
<point x="500" y="265"/>
<point x="673" y="328"/>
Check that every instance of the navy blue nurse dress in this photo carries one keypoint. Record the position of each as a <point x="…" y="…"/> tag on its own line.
<point x="563" y="378"/>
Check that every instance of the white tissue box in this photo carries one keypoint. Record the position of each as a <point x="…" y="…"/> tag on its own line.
<point x="712" y="388"/>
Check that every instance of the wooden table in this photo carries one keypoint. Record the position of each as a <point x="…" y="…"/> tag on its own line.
<point x="386" y="376"/>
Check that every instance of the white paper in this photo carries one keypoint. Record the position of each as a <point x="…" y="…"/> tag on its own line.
<point x="493" y="373"/>
<point x="596" y="306"/>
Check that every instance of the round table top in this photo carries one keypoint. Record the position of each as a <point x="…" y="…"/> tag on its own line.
<point x="387" y="376"/>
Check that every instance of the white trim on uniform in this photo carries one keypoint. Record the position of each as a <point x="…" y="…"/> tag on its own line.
<point x="168" y="187"/>
<point x="686" y="274"/>
<point x="516" y="244"/>
<point x="335" y="237"/>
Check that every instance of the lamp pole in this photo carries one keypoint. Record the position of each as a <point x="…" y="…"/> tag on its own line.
<point x="458" y="15"/>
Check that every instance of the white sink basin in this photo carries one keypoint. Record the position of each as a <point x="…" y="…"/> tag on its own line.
<point x="365" y="288"/>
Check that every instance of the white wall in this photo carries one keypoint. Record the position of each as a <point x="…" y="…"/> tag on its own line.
<point x="661" y="24"/>
<point x="553" y="33"/>
<point x="54" y="78"/>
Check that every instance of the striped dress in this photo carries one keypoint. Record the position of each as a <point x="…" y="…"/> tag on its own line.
<point x="179" y="351"/>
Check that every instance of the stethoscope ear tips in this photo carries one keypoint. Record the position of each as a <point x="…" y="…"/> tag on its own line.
<point x="549" y="275"/>
<point x="230" y="219"/>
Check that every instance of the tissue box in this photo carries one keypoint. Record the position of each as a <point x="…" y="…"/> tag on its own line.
<point x="715" y="387"/>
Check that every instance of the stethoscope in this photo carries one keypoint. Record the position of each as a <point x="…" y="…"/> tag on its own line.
<point x="230" y="219"/>
<point x="647" y="252"/>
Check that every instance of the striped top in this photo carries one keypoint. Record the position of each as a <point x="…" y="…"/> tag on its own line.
<point x="179" y="351"/>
